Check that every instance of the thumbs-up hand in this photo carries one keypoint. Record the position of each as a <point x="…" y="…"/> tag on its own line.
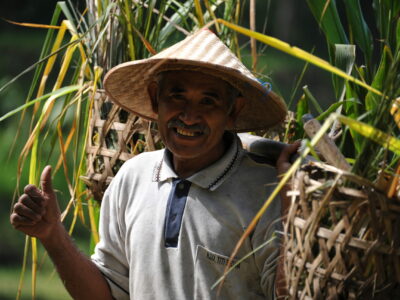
<point x="37" y="213"/>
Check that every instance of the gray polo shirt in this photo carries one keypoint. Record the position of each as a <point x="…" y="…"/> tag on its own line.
<point x="166" y="238"/>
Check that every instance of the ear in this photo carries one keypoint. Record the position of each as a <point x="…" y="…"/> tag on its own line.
<point x="236" y="109"/>
<point x="152" y="89"/>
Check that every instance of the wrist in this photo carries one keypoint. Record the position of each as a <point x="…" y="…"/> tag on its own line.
<point x="54" y="236"/>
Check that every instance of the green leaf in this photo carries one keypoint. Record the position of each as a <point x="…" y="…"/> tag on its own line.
<point x="67" y="13"/>
<point x="58" y="93"/>
<point x="345" y="56"/>
<point x="378" y="136"/>
<point x="301" y="109"/>
<point x="312" y="99"/>
<point x="398" y="36"/>
<point x="149" y="17"/>
<point x="372" y="100"/>
<point x="359" y="28"/>
<point x="177" y="18"/>
<point x="333" y="108"/>
<point x="327" y="16"/>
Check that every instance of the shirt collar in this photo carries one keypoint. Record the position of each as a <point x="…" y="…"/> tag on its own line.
<point x="210" y="177"/>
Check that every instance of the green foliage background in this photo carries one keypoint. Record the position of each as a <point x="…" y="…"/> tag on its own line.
<point x="288" y="20"/>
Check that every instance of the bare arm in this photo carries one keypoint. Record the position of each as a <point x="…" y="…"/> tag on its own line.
<point x="37" y="214"/>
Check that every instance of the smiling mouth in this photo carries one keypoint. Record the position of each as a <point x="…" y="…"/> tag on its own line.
<point x="184" y="132"/>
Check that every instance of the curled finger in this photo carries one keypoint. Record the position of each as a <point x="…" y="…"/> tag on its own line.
<point x="17" y="221"/>
<point x="36" y="206"/>
<point x="34" y="193"/>
<point x="24" y="211"/>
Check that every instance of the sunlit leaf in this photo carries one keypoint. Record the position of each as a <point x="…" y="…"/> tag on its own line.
<point x="32" y="25"/>
<point x="57" y="93"/>
<point x="283" y="181"/>
<point x="334" y="108"/>
<point x="199" y="12"/>
<point x="296" y="52"/>
<point x="378" y="136"/>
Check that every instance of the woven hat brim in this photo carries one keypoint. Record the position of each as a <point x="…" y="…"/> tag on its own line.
<point x="126" y="84"/>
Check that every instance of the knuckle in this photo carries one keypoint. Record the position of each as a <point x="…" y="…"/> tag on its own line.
<point x="37" y="217"/>
<point x="32" y="190"/>
<point x="24" y="199"/>
<point x="29" y="188"/>
<point x="18" y="207"/>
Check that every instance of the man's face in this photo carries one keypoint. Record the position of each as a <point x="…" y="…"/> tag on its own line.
<point x="193" y="112"/>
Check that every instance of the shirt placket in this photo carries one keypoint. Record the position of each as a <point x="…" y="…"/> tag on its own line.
<point x="174" y="213"/>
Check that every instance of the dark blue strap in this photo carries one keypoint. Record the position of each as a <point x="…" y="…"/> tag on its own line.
<point x="175" y="207"/>
<point x="267" y="86"/>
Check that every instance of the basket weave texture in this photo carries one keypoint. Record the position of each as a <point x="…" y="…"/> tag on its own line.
<point x="114" y="137"/>
<point x="342" y="238"/>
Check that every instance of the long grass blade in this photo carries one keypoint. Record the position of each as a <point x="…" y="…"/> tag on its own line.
<point x="33" y="66"/>
<point x="65" y="63"/>
<point x="23" y="270"/>
<point x="150" y="13"/>
<point x="312" y="99"/>
<point x="93" y="221"/>
<point x="328" y="122"/>
<point x="32" y="25"/>
<point x="371" y="100"/>
<point x="378" y="136"/>
<point x="39" y="68"/>
<point x="334" y="107"/>
<point x="297" y="52"/>
<point x="212" y="14"/>
<point x="345" y="56"/>
<point x="57" y="93"/>
<point x="62" y="159"/>
<point x="127" y="14"/>
<point x="253" y="43"/>
<point x="34" y="267"/>
<point x="145" y="42"/>
<point x="327" y="16"/>
<point x="237" y="263"/>
<point x="63" y="156"/>
<point x="359" y="28"/>
<point x="176" y="18"/>
<point x="51" y="61"/>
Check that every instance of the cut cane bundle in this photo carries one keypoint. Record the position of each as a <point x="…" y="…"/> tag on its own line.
<point x="342" y="237"/>
<point x="114" y="137"/>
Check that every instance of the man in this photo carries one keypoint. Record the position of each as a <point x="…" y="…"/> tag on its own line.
<point x="171" y="218"/>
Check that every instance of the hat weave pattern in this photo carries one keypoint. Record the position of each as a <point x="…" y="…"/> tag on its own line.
<point x="127" y="83"/>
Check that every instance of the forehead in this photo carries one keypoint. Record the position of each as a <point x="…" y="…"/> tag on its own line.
<point x="192" y="80"/>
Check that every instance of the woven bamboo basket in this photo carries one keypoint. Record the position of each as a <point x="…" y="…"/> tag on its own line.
<point x="342" y="237"/>
<point x="114" y="137"/>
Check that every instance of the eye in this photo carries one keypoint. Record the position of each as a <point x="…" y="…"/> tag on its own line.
<point x="176" y="96"/>
<point x="208" y="101"/>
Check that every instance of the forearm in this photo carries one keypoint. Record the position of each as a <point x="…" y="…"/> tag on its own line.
<point x="81" y="277"/>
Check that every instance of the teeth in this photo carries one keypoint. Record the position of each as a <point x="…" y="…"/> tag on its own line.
<point x="184" y="132"/>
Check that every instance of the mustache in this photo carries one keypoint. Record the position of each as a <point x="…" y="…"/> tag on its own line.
<point x="180" y="124"/>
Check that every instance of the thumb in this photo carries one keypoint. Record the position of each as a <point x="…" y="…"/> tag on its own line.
<point x="45" y="181"/>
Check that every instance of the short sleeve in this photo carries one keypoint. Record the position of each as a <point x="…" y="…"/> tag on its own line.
<point x="110" y="256"/>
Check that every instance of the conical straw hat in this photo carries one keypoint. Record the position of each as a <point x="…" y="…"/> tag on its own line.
<point x="126" y="84"/>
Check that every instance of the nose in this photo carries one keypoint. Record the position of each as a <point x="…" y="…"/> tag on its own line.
<point x="190" y="115"/>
